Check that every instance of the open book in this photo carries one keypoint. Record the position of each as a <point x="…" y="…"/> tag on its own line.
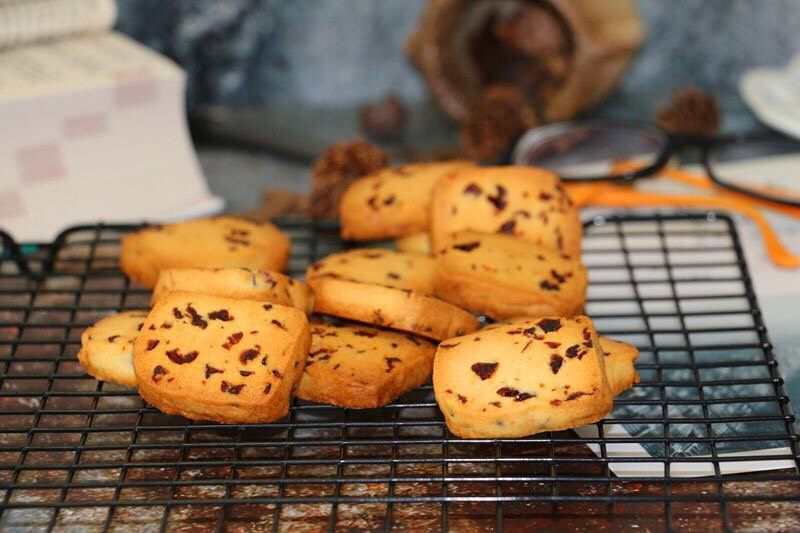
<point x="93" y="124"/>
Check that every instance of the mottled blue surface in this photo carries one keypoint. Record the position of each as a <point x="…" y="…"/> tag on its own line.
<point x="341" y="52"/>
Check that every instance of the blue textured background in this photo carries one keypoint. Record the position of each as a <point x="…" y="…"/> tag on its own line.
<point x="341" y="52"/>
<point x="303" y="57"/>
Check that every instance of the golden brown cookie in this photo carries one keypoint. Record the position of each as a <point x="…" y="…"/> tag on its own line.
<point x="397" y="309"/>
<point x="620" y="357"/>
<point x="360" y="367"/>
<point x="378" y="266"/>
<point x="523" y="202"/>
<point x="206" y="242"/>
<point x="504" y="277"/>
<point x="418" y="243"/>
<point x="107" y="347"/>
<point x="214" y="358"/>
<point x="241" y="283"/>
<point x="545" y="374"/>
<point x="393" y="202"/>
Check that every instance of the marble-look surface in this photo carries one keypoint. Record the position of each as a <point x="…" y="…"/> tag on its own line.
<point x="349" y="51"/>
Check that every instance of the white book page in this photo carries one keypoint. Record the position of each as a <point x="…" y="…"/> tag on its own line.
<point x="110" y="145"/>
<point x="26" y="21"/>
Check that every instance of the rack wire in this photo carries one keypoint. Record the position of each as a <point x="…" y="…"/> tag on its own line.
<point x="76" y="453"/>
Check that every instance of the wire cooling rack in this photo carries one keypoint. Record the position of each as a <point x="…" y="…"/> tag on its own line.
<point x="78" y="454"/>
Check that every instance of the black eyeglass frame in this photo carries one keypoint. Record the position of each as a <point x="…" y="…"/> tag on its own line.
<point x="672" y="144"/>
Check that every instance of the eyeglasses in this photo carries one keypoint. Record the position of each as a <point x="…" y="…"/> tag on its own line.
<point x="765" y="167"/>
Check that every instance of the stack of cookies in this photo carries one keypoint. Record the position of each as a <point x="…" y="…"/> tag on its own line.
<point x="501" y="242"/>
<point x="230" y="338"/>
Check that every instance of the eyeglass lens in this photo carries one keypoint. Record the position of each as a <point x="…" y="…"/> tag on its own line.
<point x="584" y="152"/>
<point x="766" y="167"/>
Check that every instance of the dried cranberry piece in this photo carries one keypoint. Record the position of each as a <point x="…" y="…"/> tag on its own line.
<point x="473" y="189"/>
<point x="197" y="320"/>
<point x="549" y="324"/>
<point x="467" y="246"/>
<point x="484" y="370"/>
<point x="555" y="363"/>
<point x="221" y="314"/>
<point x="572" y="351"/>
<point x="390" y="362"/>
<point x="179" y="359"/>
<point x="211" y="370"/>
<point x="508" y="227"/>
<point x="547" y="286"/>
<point x="231" y="388"/>
<point x="233" y="340"/>
<point x="507" y="392"/>
<point x="158" y="372"/>
<point x="552" y="344"/>
<point x="248" y="355"/>
<point x="151" y="344"/>
<point x="578" y="394"/>
<point x="279" y="324"/>
<point x="499" y="199"/>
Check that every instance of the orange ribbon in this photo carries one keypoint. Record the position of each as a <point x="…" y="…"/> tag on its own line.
<point x="609" y="194"/>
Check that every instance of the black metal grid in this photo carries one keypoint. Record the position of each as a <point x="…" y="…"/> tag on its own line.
<point x="91" y="456"/>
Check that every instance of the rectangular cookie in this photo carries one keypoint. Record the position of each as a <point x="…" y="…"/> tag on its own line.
<point x="514" y="380"/>
<point x="393" y="202"/>
<point x="214" y="358"/>
<point x="216" y="242"/>
<point x="360" y="367"/>
<point x="504" y="277"/>
<point x="524" y="202"/>
<point x="378" y="266"/>
<point x="240" y="283"/>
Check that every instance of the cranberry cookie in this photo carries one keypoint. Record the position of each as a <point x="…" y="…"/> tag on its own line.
<point x="360" y="367"/>
<point x="214" y="358"/>
<point x="545" y="374"/>
<point x="398" y="309"/>
<point x="393" y="202"/>
<point x="207" y="242"/>
<point x="504" y="277"/>
<point x="243" y="283"/>
<point x="107" y="347"/>
<point x="377" y="266"/>
<point x="523" y="202"/>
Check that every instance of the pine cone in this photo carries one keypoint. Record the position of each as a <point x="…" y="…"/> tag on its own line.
<point x="339" y="166"/>
<point x="500" y="117"/>
<point x="384" y="120"/>
<point x="690" y="111"/>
